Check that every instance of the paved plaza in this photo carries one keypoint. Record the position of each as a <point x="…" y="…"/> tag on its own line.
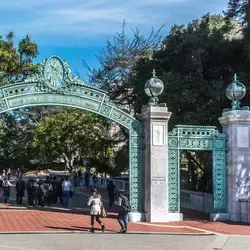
<point x="55" y="227"/>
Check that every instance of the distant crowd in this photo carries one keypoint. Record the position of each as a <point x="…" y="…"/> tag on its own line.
<point x="53" y="190"/>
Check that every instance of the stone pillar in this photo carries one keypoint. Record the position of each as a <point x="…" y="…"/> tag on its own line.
<point x="155" y="165"/>
<point x="236" y="124"/>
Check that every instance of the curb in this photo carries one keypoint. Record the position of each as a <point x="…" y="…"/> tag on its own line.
<point x="99" y="232"/>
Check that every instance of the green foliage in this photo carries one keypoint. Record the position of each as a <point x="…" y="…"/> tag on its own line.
<point x="196" y="64"/>
<point x="68" y="135"/>
<point x="15" y="63"/>
<point x="117" y="61"/>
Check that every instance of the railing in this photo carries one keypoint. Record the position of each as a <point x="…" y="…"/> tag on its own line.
<point x="197" y="201"/>
<point x="119" y="184"/>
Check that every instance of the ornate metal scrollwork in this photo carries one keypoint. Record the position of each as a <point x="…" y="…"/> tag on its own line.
<point x="184" y="137"/>
<point x="55" y="85"/>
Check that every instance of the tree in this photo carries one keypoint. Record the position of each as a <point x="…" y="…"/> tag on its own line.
<point x="69" y="135"/>
<point x="240" y="10"/>
<point x="16" y="63"/>
<point x="117" y="61"/>
<point x="196" y="63"/>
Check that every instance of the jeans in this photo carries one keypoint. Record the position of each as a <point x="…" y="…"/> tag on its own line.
<point x="66" y="197"/>
<point x="123" y="220"/>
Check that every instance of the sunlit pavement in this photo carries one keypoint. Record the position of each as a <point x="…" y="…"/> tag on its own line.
<point x="75" y="219"/>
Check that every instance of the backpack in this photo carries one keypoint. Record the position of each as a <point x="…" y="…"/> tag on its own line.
<point x="125" y="204"/>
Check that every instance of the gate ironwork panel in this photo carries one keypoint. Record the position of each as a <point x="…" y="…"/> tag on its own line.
<point x="184" y="137"/>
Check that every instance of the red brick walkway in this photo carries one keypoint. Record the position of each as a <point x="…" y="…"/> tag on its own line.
<point x="31" y="220"/>
<point x="47" y="221"/>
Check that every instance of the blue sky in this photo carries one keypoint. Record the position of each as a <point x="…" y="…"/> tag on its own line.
<point x="78" y="29"/>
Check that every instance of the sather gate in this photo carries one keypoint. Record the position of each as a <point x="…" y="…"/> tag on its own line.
<point x="197" y="138"/>
<point x="55" y="85"/>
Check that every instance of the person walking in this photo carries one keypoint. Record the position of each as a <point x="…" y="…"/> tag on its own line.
<point x="34" y="189"/>
<point x="111" y="193"/>
<point x="29" y="192"/>
<point x="66" y="187"/>
<point x="17" y="173"/>
<point x="9" y="173"/>
<point x="41" y="192"/>
<point x="125" y="208"/>
<point x="95" y="203"/>
<point x="87" y="179"/>
<point x="59" y="190"/>
<point x="1" y="187"/>
<point x="76" y="182"/>
<point x="54" y="194"/>
<point x="95" y="180"/>
<point x="20" y="189"/>
<point x="49" y="191"/>
<point x="6" y="190"/>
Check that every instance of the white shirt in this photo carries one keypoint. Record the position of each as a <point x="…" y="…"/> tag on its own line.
<point x="66" y="186"/>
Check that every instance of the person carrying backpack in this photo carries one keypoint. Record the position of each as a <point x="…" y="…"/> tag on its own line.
<point x="125" y="208"/>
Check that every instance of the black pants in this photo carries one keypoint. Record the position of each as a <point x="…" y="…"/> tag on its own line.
<point x="48" y="199"/>
<point x="30" y="199"/>
<point x="41" y="200"/>
<point x="19" y="198"/>
<point x="60" y="197"/>
<point x="97" y="218"/>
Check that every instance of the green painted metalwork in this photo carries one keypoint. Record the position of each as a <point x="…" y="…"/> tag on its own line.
<point x="197" y="138"/>
<point x="55" y="85"/>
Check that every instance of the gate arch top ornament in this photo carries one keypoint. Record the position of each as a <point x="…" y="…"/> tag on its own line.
<point x="55" y="85"/>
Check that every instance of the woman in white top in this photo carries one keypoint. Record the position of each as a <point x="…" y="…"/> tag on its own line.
<point x="95" y="203"/>
<point x="6" y="190"/>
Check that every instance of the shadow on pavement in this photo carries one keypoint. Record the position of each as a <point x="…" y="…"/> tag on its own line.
<point x="69" y="228"/>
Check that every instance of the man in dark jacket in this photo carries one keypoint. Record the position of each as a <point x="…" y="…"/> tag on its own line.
<point x="29" y="192"/>
<point x="111" y="193"/>
<point x="20" y="189"/>
<point x="125" y="208"/>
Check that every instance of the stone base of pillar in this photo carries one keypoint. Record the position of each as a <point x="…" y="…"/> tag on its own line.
<point x="219" y="217"/>
<point x="175" y="217"/>
<point x="163" y="218"/>
<point x="135" y="217"/>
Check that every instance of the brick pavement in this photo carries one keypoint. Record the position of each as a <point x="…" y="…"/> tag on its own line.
<point x="32" y="220"/>
<point x="29" y="220"/>
<point x="75" y="219"/>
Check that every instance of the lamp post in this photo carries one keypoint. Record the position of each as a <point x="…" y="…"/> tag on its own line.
<point x="153" y="88"/>
<point x="235" y="92"/>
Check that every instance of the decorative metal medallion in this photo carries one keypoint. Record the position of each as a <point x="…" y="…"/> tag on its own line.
<point x="54" y="72"/>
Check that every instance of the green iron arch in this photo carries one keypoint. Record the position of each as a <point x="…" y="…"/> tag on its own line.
<point x="55" y="85"/>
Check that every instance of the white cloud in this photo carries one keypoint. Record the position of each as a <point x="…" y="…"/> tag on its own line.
<point x="89" y="17"/>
